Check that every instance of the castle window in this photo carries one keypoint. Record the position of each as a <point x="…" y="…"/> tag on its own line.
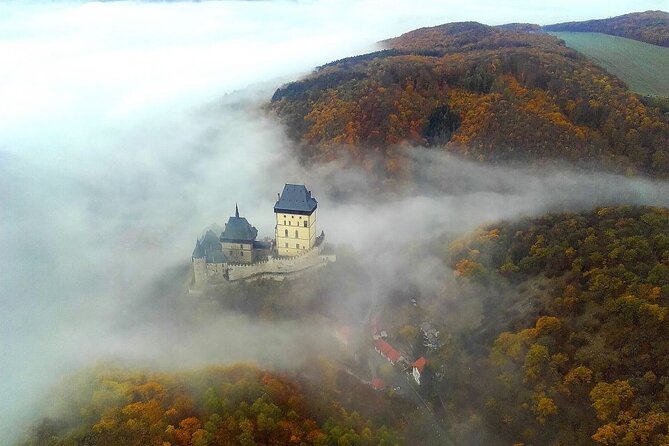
<point x="289" y="224"/>
<point x="297" y="246"/>
<point x="286" y="232"/>
<point x="286" y="244"/>
<point x="241" y="246"/>
<point x="296" y="233"/>
<point x="230" y="252"/>
<point x="292" y="216"/>
<point x="305" y="223"/>
<point x="284" y="222"/>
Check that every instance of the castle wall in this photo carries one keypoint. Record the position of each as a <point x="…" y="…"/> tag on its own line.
<point x="276" y="267"/>
<point x="216" y="272"/>
<point x="199" y="270"/>
<point x="260" y="254"/>
<point x="238" y="252"/>
<point x="295" y="233"/>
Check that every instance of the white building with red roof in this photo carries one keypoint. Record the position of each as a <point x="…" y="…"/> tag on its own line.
<point x="417" y="368"/>
<point x="387" y="351"/>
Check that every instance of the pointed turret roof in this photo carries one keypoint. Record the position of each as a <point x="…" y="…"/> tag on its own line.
<point x="238" y="230"/>
<point x="198" y="252"/>
<point x="209" y="248"/>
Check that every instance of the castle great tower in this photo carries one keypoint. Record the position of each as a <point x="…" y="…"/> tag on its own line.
<point x="295" y="212"/>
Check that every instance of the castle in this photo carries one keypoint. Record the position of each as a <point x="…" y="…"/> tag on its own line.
<point x="235" y="254"/>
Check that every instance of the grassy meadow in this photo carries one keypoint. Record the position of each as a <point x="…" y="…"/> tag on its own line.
<point x="644" y="67"/>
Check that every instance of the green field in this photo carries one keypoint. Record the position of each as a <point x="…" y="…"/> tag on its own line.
<point x="644" y="67"/>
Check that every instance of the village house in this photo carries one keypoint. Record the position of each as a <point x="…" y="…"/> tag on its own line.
<point x="417" y="368"/>
<point x="387" y="351"/>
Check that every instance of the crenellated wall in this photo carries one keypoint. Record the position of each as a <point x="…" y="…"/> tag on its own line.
<point x="216" y="271"/>
<point x="276" y="268"/>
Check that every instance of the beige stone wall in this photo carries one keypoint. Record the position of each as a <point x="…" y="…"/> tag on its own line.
<point x="273" y="268"/>
<point x="199" y="271"/>
<point x="280" y="267"/>
<point x="238" y="252"/>
<point x="295" y="234"/>
<point x="216" y="271"/>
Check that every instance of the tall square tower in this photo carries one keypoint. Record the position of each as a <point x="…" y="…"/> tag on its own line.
<point x="295" y="213"/>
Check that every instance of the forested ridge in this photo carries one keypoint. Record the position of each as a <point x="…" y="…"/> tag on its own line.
<point x="649" y="26"/>
<point x="487" y="93"/>
<point x="577" y="352"/>
<point x="570" y="347"/>
<point x="235" y="405"/>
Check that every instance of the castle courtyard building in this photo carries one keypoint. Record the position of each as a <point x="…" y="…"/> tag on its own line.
<point x="295" y="212"/>
<point x="238" y="238"/>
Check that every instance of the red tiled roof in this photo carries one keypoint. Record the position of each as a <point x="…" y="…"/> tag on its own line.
<point x="387" y="350"/>
<point x="420" y="364"/>
<point x="378" y="384"/>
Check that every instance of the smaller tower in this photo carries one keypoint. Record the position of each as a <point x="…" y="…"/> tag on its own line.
<point x="238" y="239"/>
<point x="199" y="265"/>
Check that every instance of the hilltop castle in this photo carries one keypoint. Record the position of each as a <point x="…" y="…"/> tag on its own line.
<point x="235" y="254"/>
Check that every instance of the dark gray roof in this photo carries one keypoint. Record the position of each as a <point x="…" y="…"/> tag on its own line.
<point x="209" y="248"/>
<point x="198" y="252"/>
<point x="238" y="229"/>
<point x="262" y="245"/>
<point x="295" y="197"/>
<point x="209" y="239"/>
<point x="216" y="257"/>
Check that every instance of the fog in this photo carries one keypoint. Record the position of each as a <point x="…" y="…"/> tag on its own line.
<point x="127" y="128"/>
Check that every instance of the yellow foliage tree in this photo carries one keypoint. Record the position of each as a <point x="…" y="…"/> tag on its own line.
<point x="607" y="399"/>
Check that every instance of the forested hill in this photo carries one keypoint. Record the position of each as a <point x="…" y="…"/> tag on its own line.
<point x="487" y="93"/>
<point x="650" y="27"/>
<point x="577" y="351"/>
<point x="236" y="405"/>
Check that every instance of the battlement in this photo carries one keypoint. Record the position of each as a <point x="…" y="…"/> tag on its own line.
<point x="277" y="268"/>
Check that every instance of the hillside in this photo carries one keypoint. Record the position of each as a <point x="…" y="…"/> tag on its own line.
<point x="238" y="405"/>
<point x="525" y="27"/>
<point x="573" y="345"/>
<point x="570" y="347"/>
<point x="650" y="27"/>
<point x="642" y="66"/>
<point x="486" y="93"/>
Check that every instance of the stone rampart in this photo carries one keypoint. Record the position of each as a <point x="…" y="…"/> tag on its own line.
<point x="281" y="266"/>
